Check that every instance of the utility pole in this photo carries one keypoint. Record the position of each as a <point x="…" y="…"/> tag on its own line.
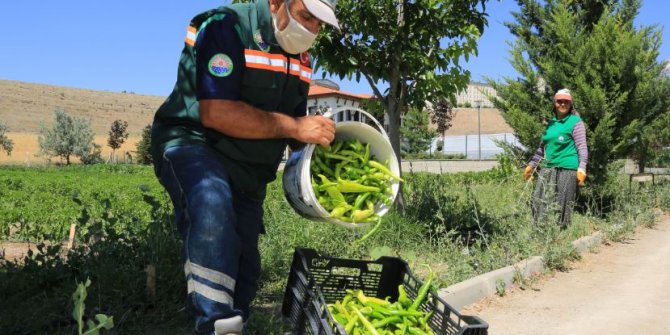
<point x="478" y="103"/>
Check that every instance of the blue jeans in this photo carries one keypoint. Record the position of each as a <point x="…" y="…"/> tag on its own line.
<point x="219" y="227"/>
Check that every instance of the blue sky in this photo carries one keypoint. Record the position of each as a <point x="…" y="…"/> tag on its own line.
<point x="135" y="45"/>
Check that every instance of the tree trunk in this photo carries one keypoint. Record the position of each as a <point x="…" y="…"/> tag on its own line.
<point x="393" y="108"/>
<point x="642" y="160"/>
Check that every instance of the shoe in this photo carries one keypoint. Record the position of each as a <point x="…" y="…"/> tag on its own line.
<point x="229" y="326"/>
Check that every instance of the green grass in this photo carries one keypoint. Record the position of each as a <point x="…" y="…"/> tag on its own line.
<point x="461" y="224"/>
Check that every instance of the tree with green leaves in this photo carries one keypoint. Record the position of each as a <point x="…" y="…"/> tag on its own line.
<point x="414" y="47"/>
<point x="442" y="114"/>
<point x="69" y="136"/>
<point x="594" y="49"/>
<point x="144" y="147"/>
<point x="6" y="144"/>
<point x="416" y="132"/>
<point x="118" y="134"/>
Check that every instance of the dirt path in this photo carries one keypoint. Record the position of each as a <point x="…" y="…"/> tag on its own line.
<point x="620" y="289"/>
<point x="12" y="251"/>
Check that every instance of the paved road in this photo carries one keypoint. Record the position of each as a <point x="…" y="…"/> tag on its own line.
<point x="442" y="166"/>
<point x="620" y="289"/>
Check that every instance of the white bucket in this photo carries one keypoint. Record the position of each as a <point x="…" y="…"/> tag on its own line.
<point x="297" y="175"/>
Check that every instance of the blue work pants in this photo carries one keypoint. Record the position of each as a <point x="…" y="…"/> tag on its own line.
<point x="219" y="227"/>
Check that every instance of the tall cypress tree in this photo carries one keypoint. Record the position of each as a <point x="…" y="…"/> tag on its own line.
<point x="594" y="49"/>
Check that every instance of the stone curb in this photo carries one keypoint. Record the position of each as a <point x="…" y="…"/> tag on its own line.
<point x="485" y="285"/>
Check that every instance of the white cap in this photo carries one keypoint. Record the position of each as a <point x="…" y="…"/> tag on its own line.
<point x="563" y="94"/>
<point x="324" y="10"/>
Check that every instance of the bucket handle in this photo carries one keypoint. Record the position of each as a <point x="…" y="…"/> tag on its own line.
<point x="338" y="110"/>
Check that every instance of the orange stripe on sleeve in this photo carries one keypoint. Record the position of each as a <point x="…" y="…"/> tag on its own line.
<point x="265" y="67"/>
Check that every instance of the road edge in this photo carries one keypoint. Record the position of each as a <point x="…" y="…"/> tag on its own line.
<point x="473" y="290"/>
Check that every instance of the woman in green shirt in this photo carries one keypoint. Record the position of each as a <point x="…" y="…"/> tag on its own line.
<point x="562" y="156"/>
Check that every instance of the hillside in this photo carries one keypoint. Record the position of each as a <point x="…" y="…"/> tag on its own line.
<point x="467" y="121"/>
<point x="26" y="106"/>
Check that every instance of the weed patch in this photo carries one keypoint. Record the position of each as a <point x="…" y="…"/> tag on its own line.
<point x="462" y="225"/>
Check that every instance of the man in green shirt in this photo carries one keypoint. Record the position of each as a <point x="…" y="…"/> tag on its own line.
<point x="218" y="139"/>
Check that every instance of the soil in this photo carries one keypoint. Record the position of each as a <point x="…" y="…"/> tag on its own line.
<point x="619" y="289"/>
<point x="11" y="251"/>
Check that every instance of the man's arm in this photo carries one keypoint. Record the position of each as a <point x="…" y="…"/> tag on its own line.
<point x="238" y="119"/>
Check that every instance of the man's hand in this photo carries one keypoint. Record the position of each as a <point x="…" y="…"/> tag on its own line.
<point x="238" y="119"/>
<point x="315" y="129"/>
<point x="581" y="177"/>
<point x="528" y="172"/>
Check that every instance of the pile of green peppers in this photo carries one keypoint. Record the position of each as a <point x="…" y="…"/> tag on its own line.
<point x="360" y="314"/>
<point x="348" y="182"/>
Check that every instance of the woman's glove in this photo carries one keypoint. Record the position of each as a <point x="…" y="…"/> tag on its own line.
<point x="528" y="172"/>
<point x="581" y="177"/>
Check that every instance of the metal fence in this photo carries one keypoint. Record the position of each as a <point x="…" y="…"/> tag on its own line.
<point x="469" y="145"/>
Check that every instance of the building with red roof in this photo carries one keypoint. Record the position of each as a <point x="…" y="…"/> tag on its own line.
<point x="325" y="95"/>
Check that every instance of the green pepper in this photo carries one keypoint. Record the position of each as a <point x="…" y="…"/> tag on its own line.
<point x="372" y="231"/>
<point x="355" y="170"/>
<point x="368" y="326"/>
<point x="322" y="166"/>
<point x="338" y="157"/>
<point x="386" y="321"/>
<point x="366" y="156"/>
<point x="384" y="170"/>
<point x="339" y="318"/>
<point x="347" y="186"/>
<point x="402" y="296"/>
<point x="336" y="197"/>
<point x="340" y="308"/>
<point x="423" y="291"/>
<point x="360" y="215"/>
<point x="365" y="300"/>
<point x="416" y="331"/>
<point x="353" y="154"/>
<point x="401" y="312"/>
<point x="340" y="210"/>
<point x="360" y="199"/>
<point x="336" y="147"/>
<point x="351" y="324"/>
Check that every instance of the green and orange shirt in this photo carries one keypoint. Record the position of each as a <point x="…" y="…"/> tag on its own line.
<point x="563" y="144"/>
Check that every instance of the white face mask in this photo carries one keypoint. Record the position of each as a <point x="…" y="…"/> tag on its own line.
<point x="295" y="38"/>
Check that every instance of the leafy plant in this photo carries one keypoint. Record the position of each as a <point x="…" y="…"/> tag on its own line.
<point x="144" y="147"/>
<point x="501" y="287"/>
<point x="92" y="328"/>
<point x="118" y="134"/>
<point x="6" y="143"/>
<point x="442" y="114"/>
<point x="69" y="136"/>
<point x="416" y="132"/>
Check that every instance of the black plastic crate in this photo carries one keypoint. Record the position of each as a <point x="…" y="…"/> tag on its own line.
<point x="315" y="280"/>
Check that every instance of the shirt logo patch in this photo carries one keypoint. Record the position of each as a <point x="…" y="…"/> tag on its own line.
<point x="305" y="59"/>
<point x="259" y="41"/>
<point x="220" y="65"/>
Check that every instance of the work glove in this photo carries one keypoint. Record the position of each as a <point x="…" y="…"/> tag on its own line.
<point x="581" y="177"/>
<point x="528" y="173"/>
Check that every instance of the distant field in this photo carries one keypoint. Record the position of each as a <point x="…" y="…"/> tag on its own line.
<point x="25" y="107"/>
<point x="26" y="148"/>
